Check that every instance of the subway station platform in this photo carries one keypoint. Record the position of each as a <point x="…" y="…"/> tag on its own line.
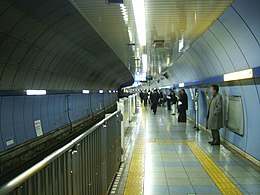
<point x="168" y="157"/>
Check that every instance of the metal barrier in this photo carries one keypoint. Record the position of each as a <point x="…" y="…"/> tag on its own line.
<point x="86" y="165"/>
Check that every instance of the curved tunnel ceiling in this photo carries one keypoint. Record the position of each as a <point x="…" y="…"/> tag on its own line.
<point x="47" y="44"/>
<point x="230" y="44"/>
<point x="169" y="21"/>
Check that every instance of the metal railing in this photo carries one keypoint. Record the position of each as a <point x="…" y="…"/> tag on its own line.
<point x="86" y="165"/>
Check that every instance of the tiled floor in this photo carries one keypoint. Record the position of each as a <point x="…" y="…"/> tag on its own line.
<point x="171" y="167"/>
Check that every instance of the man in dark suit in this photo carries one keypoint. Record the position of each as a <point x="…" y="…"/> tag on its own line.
<point x="183" y="106"/>
<point x="145" y="98"/>
<point x="155" y="96"/>
<point x="215" y="115"/>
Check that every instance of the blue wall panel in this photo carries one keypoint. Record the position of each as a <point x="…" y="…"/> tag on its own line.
<point x="18" y="113"/>
<point x="7" y="122"/>
<point x="191" y="109"/>
<point x="62" y="111"/>
<point x="44" y="114"/>
<point x="18" y="119"/>
<point x="28" y="117"/>
<point x="107" y="99"/>
<point x="251" y="104"/>
<point x="56" y="110"/>
<point x="73" y="106"/>
<point x="203" y="107"/>
<point x="97" y="102"/>
<point x="37" y="108"/>
<point x="51" y="105"/>
<point x="1" y="142"/>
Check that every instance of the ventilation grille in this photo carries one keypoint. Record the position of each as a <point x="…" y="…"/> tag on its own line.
<point x="115" y="1"/>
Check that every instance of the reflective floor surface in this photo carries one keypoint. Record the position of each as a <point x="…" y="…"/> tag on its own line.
<point x="172" y="158"/>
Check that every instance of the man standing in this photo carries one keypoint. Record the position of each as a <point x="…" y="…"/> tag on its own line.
<point x="215" y="115"/>
<point x="155" y="96"/>
<point x="183" y="106"/>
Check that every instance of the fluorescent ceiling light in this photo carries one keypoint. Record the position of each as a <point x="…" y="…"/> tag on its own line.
<point x="181" y="44"/>
<point x="130" y="35"/>
<point x="36" y="92"/>
<point x="144" y="60"/>
<point x="168" y="61"/>
<point x="239" y="75"/>
<point x="181" y="84"/>
<point x="124" y="12"/>
<point x="101" y="91"/>
<point x="85" y="91"/>
<point x="139" y="13"/>
<point x="165" y="87"/>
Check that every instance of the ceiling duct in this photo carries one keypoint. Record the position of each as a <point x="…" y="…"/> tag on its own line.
<point x="158" y="43"/>
<point x="115" y="1"/>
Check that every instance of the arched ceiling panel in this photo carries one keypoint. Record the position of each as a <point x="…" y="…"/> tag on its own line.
<point x="244" y="38"/>
<point x="232" y="56"/>
<point x="203" y="57"/>
<point x="230" y="44"/>
<point x="48" y="44"/>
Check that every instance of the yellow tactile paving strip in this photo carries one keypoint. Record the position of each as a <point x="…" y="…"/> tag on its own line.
<point x="220" y="179"/>
<point x="135" y="178"/>
<point x="224" y="184"/>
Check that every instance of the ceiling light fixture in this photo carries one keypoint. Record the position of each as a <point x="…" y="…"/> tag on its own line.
<point x="124" y="12"/>
<point x="85" y="91"/>
<point x="130" y="35"/>
<point x="101" y="91"/>
<point x="36" y="92"/>
<point x="139" y="13"/>
<point x="144" y="61"/>
<point x="239" y="75"/>
<point x="181" y="43"/>
<point x="181" y="84"/>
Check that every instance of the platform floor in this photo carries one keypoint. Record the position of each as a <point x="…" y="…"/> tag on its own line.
<point x="168" y="157"/>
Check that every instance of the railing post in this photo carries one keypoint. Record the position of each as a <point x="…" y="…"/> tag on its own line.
<point x="104" y="158"/>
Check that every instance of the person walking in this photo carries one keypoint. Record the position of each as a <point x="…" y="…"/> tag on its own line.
<point x="174" y="101"/>
<point x="145" y="98"/>
<point x="215" y="115"/>
<point x="169" y="100"/>
<point x="183" y="106"/>
<point x="155" y="96"/>
<point x="142" y="96"/>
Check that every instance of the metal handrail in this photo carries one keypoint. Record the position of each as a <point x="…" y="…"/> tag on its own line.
<point x="14" y="183"/>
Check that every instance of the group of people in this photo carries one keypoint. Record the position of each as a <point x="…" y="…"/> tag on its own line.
<point x="174" y="102"/>
<point x="151" y="97"/>
<point x="214" y="117"/>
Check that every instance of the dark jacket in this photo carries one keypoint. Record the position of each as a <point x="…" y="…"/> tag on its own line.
<point x="184" y="101"/>
<point x="174" y="98"/>
<point x="145" y="95"/>
<point x="155" y="98"/>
